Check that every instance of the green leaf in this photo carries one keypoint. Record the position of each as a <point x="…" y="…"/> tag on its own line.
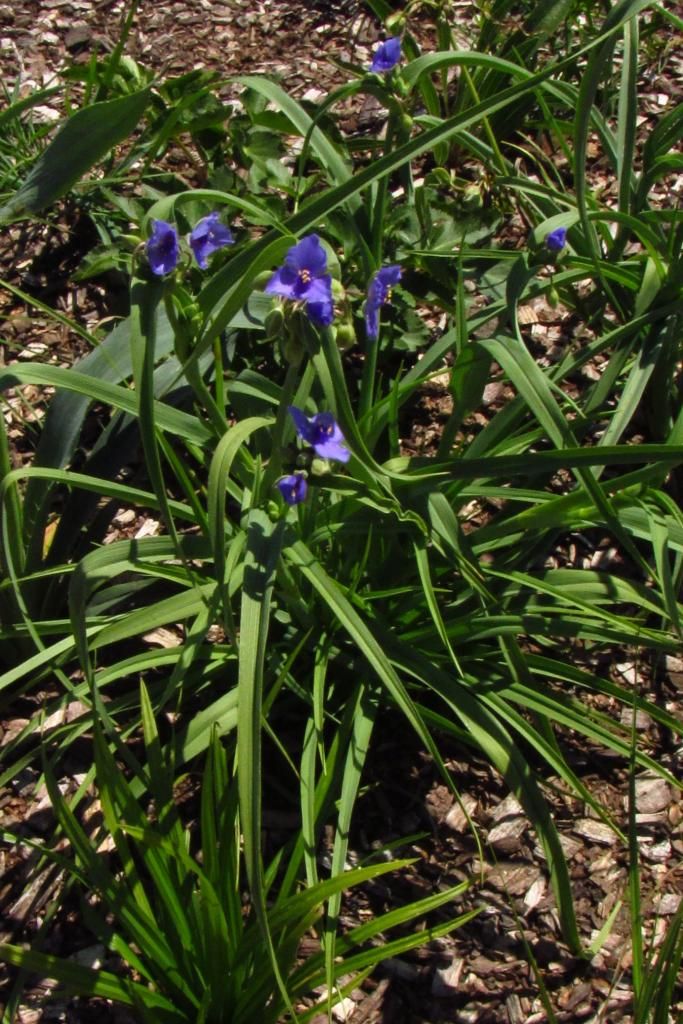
<point x="84" y="981"/>
<point x="80" y="143"/>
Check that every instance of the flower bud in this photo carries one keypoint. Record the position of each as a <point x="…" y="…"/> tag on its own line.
<point x="346" y="335"/>
<point x="293" y="349"/>
<point x="274" y="323"/>
<point x="406" y="123"/>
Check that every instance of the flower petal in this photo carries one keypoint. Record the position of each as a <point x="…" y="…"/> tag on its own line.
<point x="162" y="248"/>
<point x="308" y="254"/>
<point x="283" y="282"/>
<point x="328" y="441"/>
<point x="319" y="304"/>
<point x="379" y="292"/>
<point x="372" y="320"/>
<point x="387" y="55"/>
<point x="293" y="488"/>
<point x="304" y="426"/>
<point x="555" y="240"/>
<point x="333" y="448"/>
<point x="209" y="235"/>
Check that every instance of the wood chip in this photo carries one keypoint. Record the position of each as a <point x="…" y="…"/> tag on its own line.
<point x="513" y="878"/>
<point x="510" y="825"/>
<point x="457" y="817"/>
<point x="656" y="852"/>
<point x="667" y="904"/>
<point x="595" y="831"/>
<point x="652" y="794"/>
<point x="446" y="980"/>
<point x="343" y="1010"/>
<point x="535" y="893"/>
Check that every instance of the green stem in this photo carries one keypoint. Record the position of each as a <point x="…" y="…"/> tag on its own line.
<point x="274" y="467"/>
<point x="218" y="370"/>
<point x="367" y="387"/>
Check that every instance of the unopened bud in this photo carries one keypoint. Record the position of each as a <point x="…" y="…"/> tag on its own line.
<point x="293" y="350"/>
<point x="319" y="467"/>
<point x="406" y="123"/>
<point x="346" y="336"/>
<point x="274" y="323"/>
<point x="553" y="297"/>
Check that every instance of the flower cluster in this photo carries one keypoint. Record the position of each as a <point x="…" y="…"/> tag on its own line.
<point x="323" y="434"/>
<point x="379" y="294"/>
<point x="303" y="278"/>
<point x="163" y="247"/>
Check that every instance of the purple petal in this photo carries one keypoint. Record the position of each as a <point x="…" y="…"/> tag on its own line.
<point x="372" y="320"/>
<point x="379" y="292"/>
<point x="304" y="426"/>
<point x="332" y="448"/>
<point x="207" y="237"/>
<point x="328" y="440"/>
<point x="283" y="282"/>
<point x="162" y="248"/>
<point x="319" y="304"/>
<point x="387" y="55"/>
<point x="308" y="254"/>
<point x="293" y="488"/>
<point x="555" y="240"/>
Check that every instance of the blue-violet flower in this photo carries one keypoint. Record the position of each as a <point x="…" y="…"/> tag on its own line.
<point x="322" y="433"/>
<point x="207" y="236"/>
<point x="293" y="488"/>
<point x="555" y="240"/>
<point x="387" y="55"/>
<point x="162" y="248"/>
<point x="379" y="293"/>
<point x="303" y="278"/>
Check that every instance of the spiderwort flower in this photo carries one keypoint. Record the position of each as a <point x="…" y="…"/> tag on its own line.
<point x="555" y="240"/>
<point x="379" y="294"/>
<point x="293" y="488"/>
<point x="303" y="278"/>
<point x="207" y="236"/>
<point x="387" y="55"/>
<point x="162" y="248"/>
<point x="322" y="433"/>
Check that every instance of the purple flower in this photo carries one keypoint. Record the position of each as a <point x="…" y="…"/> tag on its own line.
<point x="387" y="55"/>
<point x="555" y="240"/>
<point x="293" y="488"/>
<point x="322" y="433"/>
<point x="207" y="237"/>
<point x="162" y="248"/>
<point x="303" y="278"/>
<point x="379" y="293"/>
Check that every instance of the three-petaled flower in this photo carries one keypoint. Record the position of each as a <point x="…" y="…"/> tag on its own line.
<point x="303" y="278"/>
<point x="379" y="293"/>
<point x="555" y="240"/>
<point x="387" y="55"/>
<point x="207" y="237"/>
<point x="162" y="248"/>
<point x="293" y="488"/>
<point x="323" y="434"/>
